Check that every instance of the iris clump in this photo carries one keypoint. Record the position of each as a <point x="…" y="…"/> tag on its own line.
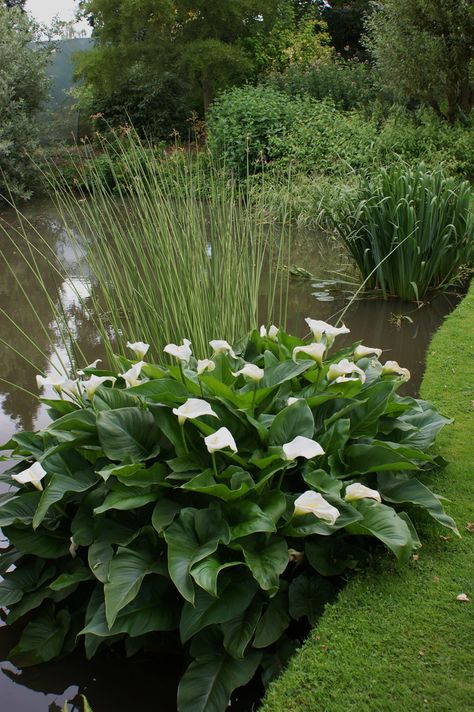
<point x="409" y="230"/>
<point x="208" y="509"/>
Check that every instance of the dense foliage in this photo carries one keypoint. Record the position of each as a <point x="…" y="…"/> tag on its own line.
<point x="409" y="230"/>
<point x="211" y="503"/>
<point x="23" y="90"/>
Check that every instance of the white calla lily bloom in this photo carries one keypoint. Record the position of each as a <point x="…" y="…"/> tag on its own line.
<point x="344" y="368"/>
<point x="193" y="408"/>
<point x="56" y="381"/>
<point x="89" y="365"/>
<point x="222" y="347"/>
<point x="139" y="348"/>
<point x="182" y="353"/>
<point x="33" y="475"/>
<point x="204" y="365"/>
<point x="321" y="328"/>
<point x="393" y="367"/>
<point x="360" y="491"/>
<point x="272" y="332"/>
<point x="362" y="351"/>
<point x="315" y="351"/>
<point x="302" y="447"/>
<point x="314" y="503"/>
<point x="73" y="547"/>
<point x="131" y="377"/>
<point x="220" y="440"/>
<point x="291" y="400"/>
<point x="252" y="372"/>
<point x="94" y="382"/>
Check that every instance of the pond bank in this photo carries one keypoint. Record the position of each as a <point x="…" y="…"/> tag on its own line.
<point x="397" y="638"/>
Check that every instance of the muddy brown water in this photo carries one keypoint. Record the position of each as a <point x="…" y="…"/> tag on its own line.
<point x="402" y="329"/>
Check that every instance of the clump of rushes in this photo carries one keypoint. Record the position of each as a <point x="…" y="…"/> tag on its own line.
<point x="211" y="502"/>
<point x="409" y="230"/>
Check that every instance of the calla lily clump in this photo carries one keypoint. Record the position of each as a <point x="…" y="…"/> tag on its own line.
<point x="211" y="503"/>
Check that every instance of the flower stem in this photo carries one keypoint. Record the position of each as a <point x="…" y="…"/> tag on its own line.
<point x="183" y="436"/>
<point x="181" y="371"/>
<point x="255" y="386"/>
<point x="214" y="465"/>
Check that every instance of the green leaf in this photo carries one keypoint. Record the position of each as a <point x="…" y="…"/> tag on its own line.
<point x="65" y="580"/>
<point x="401" y="488"/>
<point x="208" y="683"/>
<point x="58" y="486"/>
<point x="240" y="483"/>
<point x="385" y="524"/>
<point x="19" y="510"/>
<point x="43" y="638"/>
<point x="331" y="556"/>
<point x="234" y="596"/>
<point x="99" y="556"/>
<point x="285" y="371"/>
<point x="275" y="619"/>
<point x="192" y="537"/>
<point x="206" y="572"/>
<point x="320" y="481"/>
<point x="239" y="631"/>
<point x="296" y="419"/>
<point x="126" y="572"/>
<point x="380" y="456"/>
<point x="302" y="526"/>
<point x="43" y="543"/>
<point x="114" y="398"/>
<point x="164" y="513"/>
<point x="245" y="518"/>
<point x="424" y="427"/>
<point x="78" y="426"/>
<point x="164" y="390"/>
<point x="308" y="595"/>
<point x="364" y="419"/>
<point x="125" y="498"/>
<point x="128" y="434"/>
<point x="267" y="560"/>
<point x="335" y="438"/>
<point x="24" y="579"/>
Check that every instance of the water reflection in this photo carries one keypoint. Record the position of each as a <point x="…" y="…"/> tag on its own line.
<point x="147" y="680"/>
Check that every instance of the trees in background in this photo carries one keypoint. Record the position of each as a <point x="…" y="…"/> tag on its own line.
<point x="424" y="52"/>
<point x="23" y="89"/>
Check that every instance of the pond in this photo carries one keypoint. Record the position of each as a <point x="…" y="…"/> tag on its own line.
<point x="317" y="290"/>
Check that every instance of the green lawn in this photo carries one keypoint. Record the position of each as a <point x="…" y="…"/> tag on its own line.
<point x="397" y="639"/>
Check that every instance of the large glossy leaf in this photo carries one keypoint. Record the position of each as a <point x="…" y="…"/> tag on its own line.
<point x="239" y="484"/>
<point x="26" y="578"/>
<point x="78" y="426"/>
<point x="285" y="371"/>
<point x="192" y="537"/>
<point x="164" y="390"/>
<point x="385" y="524"/>
<point x="235" y="595"/>
<point x="423" y="427"/>
<point x="245" y="518"/>
<point x="126" y="498"/>
<point x="239" y="631"/>
<point x="267" y="560"/>
<point x="164" y="513"/>
<point x="128" y="434"/>
<point x="43" y="543"/>
<point x="43" y="637"/>
<point x="127" y="570"/>
<point x="99" y="555"/>
<point x="336" y="436"/>
<point x="206" y="572"/>
<point x="401" y="488"/>
<point x="275" y="619"/>
<point x="60" y="485"/>
<point x="308" y="595"/>
<point x="113" y="398"/>
<point x="208" y="683"/>
<point x="65" y="580"/>
<point x="307" y="524"/>
<point x="364" y="419"/>
<point x="380" y="456"/>
<point x="293" y="420"/>
<point x="19" y="510"/>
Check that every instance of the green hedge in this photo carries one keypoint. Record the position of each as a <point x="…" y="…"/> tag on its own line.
<point x="397" y="638"/>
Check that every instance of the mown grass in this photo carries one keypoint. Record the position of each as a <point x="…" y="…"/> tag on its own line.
<point x="397" y="638"/>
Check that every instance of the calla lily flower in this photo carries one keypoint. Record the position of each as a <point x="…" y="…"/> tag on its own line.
<point x="33" y="475"/>
<point x="139" y="348"/>
<point x="204" y="365"/>
<point x="193" y="408"/>
<point x="222" y="347"/>
<point x="363" y="351"/>
<point x="252" y="372"/>
<point x="94" y="382"/>
<point x="272" y="332"/>
<point x="321" y="328"/>
<point x="220" y="440"/>
<point x="314" y="351"/>
<point x="131" y="377"/>
<point x="292" y="400"/>
<point x="182" y="353"/>
<point x="344" y="368"/>
<point x="56" y="381"/>
<point x="360" y="491"/>
<point x="73" y="548"/>
<point x="302" y="447"/>
<point x="90" y="365"/>
<point x="314" y="503"/>
<point x="393" y="367"/>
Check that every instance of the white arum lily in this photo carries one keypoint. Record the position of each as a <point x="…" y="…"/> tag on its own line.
<point x="302" y="447"/>
<point x="182" y="353"/>
<point x="393" y="367"/>
<point x="73" y="548"/>
<point x="313" y="503"/>
<point x="314" y="351"/>
<point x="321" y="328"/>
<point x="220" y="440"/>
<point x="139" y="348"/>
<point x="131" y="377"/>
<point x="272" y="332"/>
<point x="94" y="382"/>
<point x="292" y="400"/>
<point x="360" y="491"/>
<point x="364" y="351"/>
<point x="222" y="347"/>
<point x="89" y="365"/>
<point x="344" y="368"/>
<point x="193" y="408"/>
<point x="204" y="365"/>
<point x="252" y="372"/>
<point x="33" y="475"/>
<point x="56" y="381"/>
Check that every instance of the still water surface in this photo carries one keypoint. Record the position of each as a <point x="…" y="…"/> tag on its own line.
<point x="402" y="329"/>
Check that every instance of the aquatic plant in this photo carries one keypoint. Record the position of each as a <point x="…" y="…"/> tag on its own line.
<point x="409" y="230"/>
<point x="211" y="503"/>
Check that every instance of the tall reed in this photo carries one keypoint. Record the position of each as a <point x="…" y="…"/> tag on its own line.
<point x="410" y="230"/>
